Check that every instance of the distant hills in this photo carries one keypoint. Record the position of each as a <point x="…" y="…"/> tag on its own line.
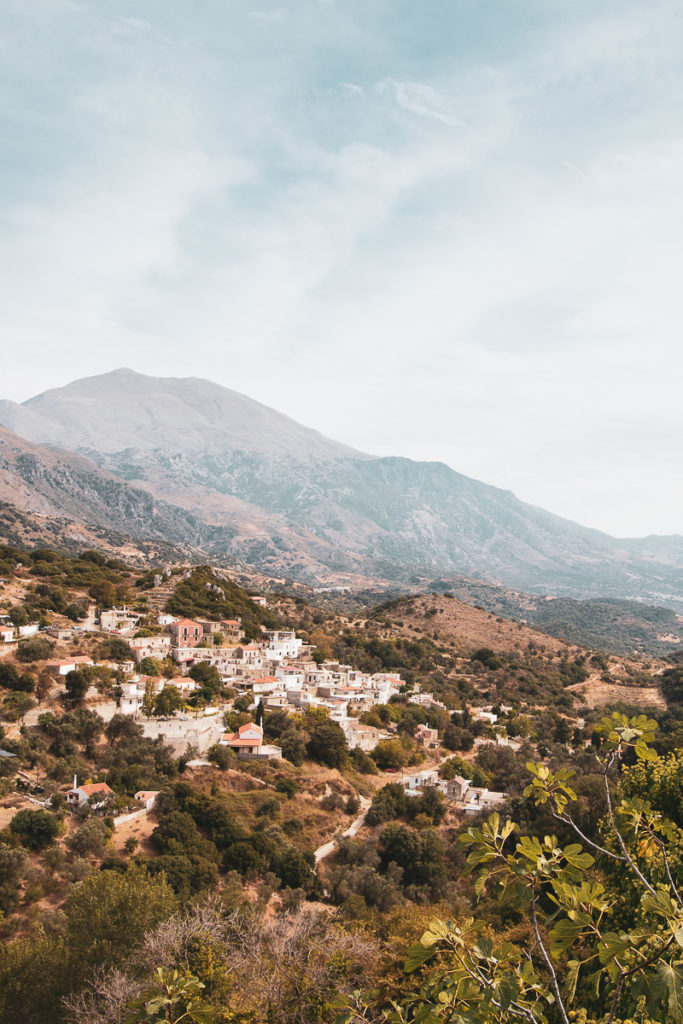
<point x="607" y="624"/>
<point x="197" y="465"/>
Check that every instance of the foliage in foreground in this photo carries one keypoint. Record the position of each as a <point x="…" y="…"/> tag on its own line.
<point x="578" y="959"/>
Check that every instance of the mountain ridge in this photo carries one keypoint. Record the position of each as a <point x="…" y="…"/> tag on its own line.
<point x="285" y="499"/>
<point x="234" y="418"/>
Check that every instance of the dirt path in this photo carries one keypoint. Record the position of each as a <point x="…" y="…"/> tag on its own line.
<point x="356" y="825"/>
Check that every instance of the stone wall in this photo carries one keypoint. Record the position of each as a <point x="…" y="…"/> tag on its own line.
<point x="180" y="733"/>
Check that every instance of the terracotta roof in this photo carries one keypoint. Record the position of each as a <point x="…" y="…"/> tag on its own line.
<point x="95" y="787"/>
<point x="240" y="739"/>
<point x="247" y="726"/>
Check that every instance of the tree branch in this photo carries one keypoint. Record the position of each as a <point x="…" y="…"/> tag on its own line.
<point x="615" y="1000"/>
<point x="627" y="856"/>
<point x="568" y="821"/>
<point x="549" y="964"/>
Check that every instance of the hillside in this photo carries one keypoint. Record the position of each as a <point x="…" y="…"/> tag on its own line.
<point x="449" y="620"/>
<point x="289" y="502"/>
<point x="620" y="627"/>
<point x="59" y="489"/>
<point x="269" y="868"/>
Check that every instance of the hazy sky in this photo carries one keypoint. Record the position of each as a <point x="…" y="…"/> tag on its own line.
<point x="447" y="229"/>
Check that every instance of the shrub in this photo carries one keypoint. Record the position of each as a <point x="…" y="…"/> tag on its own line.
<point x="389" y="754"/>
<point x="287" y="786"/>
<point x="327" y="745"/>
<point x="455" y="738"/>
<point x="388" y="804"/>
<point x="362" y="762"/>
<point x="333" y="802"/>
<point x="77" y="683"/>
<point x="293" y="746"/>
<point x="352" y="805"/>
<point x="36" y="649"/>
<point x="34" y="829"/>
<point x="270" y="808"/>
<point x="91" y="838"/>
<point x="222" y="757"/>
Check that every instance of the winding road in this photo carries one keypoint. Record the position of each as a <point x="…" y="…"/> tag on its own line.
<point x="356" y="825"/>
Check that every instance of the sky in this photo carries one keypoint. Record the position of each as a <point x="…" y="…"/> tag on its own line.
<point x="450" y="230"/>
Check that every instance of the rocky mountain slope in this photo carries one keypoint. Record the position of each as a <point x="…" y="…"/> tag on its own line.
<point x="59" y="488"/>
<point x="286" y="500"/>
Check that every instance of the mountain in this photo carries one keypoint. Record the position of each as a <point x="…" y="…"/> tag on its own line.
<point x="58" y="489"/>
<point x="287" y="500"/>
<point x="123" y="410"/>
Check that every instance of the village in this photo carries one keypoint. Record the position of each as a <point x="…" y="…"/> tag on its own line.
<point x="272" y="672"/>
<point x="173" y="728"/>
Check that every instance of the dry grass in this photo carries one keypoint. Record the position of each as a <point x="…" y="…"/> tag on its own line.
<point x="468" y="627"/>
<point x="595" y="694"/>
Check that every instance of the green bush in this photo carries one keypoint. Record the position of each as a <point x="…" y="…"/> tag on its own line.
<point x="38" y="648"/>
<point x="34" y="829"/>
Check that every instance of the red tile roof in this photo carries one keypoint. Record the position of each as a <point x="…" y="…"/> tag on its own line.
<point x="95" y="787"/>
<point x="239" y="739"/>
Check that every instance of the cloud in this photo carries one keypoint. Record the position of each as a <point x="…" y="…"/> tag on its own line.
<point x="357" y="90"/>
<point x="457" y="244"/>
<point x="422" y="100"/>
<point x="276" y="14"/>
<point x="137" y="24"/>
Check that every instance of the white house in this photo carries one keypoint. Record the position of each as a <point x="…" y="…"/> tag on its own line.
<point x="30" y="629"/>
<point x="360" y="736"/>
<point x="133" y="692"/>
<point x="248" y="744"/>
<point x="119" y="620"/>
<point x="292" y="678"/>
<point x="477" y="800"/>
<point x="150" y="647"/>
<point x="485" y="716"/>
<point x="62" y="668"/>
<point x="427" y="737"/>
<point x="79" y="795"/>
<point x="282" y="643"/>
<point x="147" y="798"/>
